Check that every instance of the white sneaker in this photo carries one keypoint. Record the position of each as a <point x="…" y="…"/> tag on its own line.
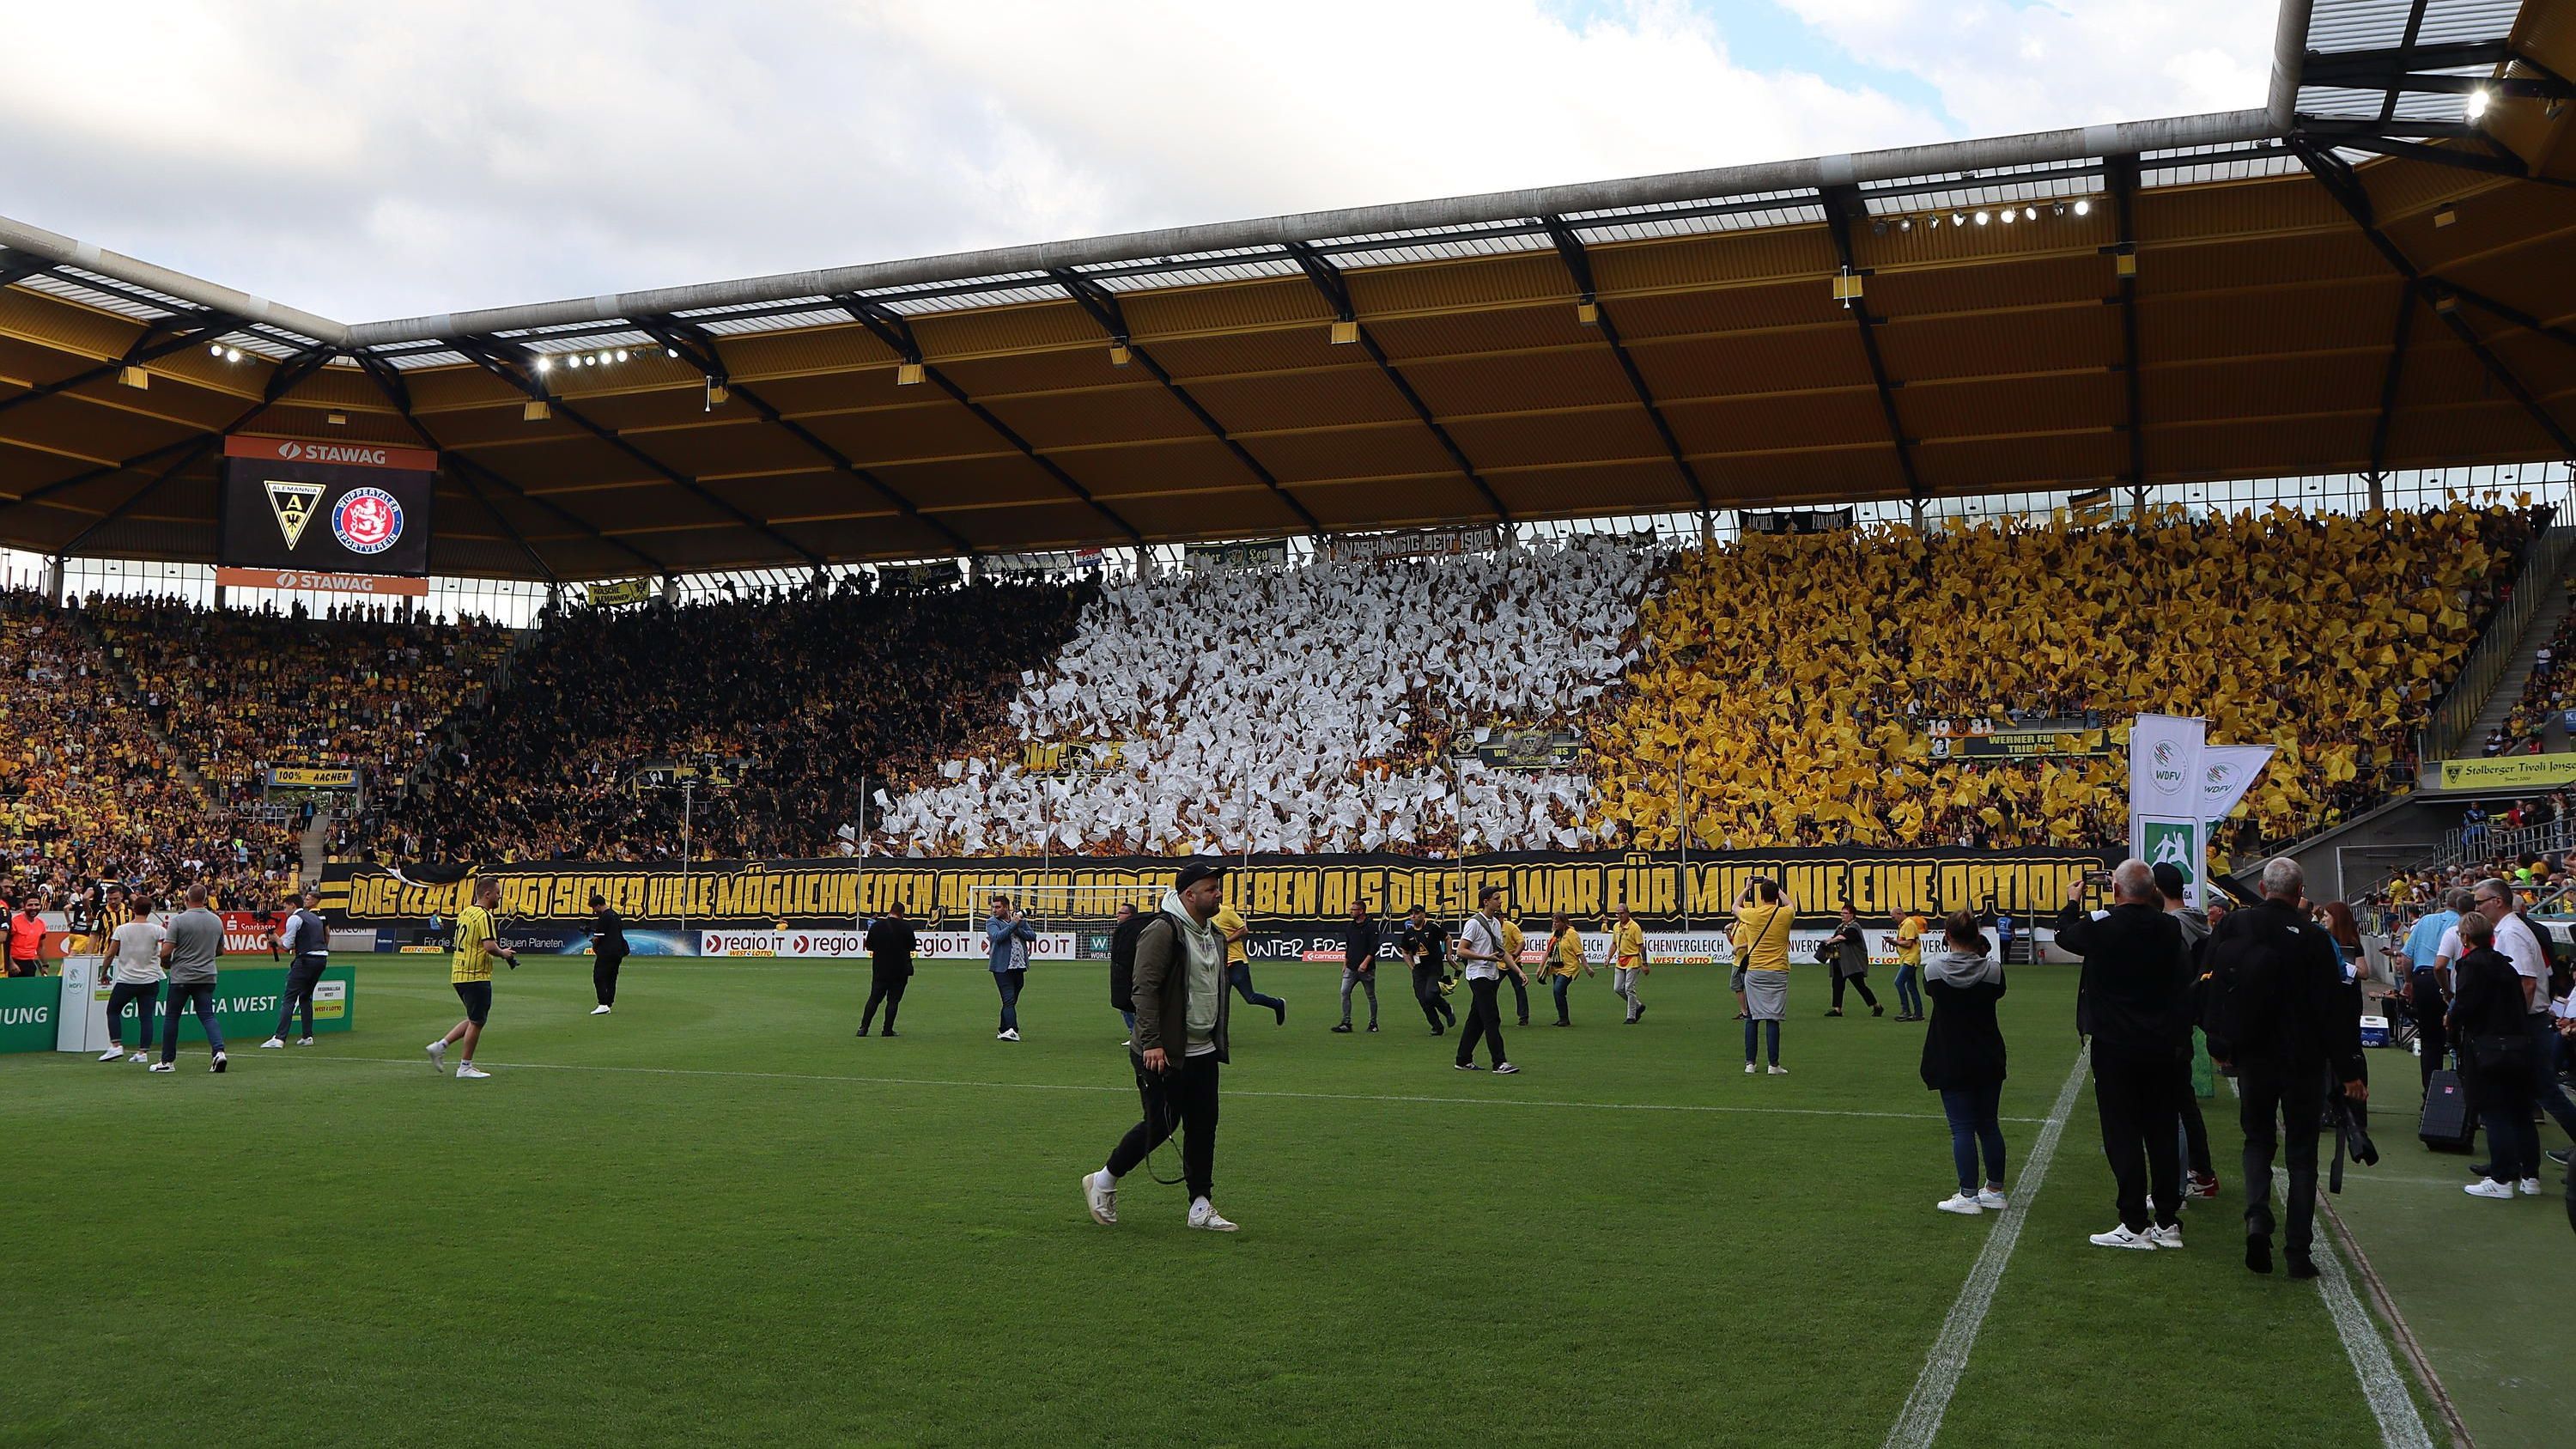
<point x="220" y="1063"/>
<point x="2166" y="1237"/>
<point x="1779" y="1071"/>
<point x="1129" y="1042"/>
<point x="112" y="1054"/>
<point x="471" y="1072"/>
<point x="2121" y="1237"/>
<point x="139" y="1057"/>
<point x="437" y="1056"/>
<point x="1203" y="1217"/>
<point x="1960" y="1203"/>
<point x="599" y="1011"/>
<point x="1012" y="1035"/>
<point x="304" y="1041"/>
<point x="2531" y="1187"/>
<point x="1748" y="1069"/>
<point x="1101" y="1198"/>
<point x="1991" y="1200"/>
<point x="278" y="1042"/>
<point x="1505" y="1070"/>
<point x="163" y="1067"/>
<point x="2489" y="1187"/>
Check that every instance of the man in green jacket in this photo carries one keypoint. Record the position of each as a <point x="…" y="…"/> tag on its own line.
<point x="1178" y="1045"/>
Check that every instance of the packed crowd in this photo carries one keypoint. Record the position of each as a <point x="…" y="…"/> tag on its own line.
<point x="89" y="794"/>
<point x="239" y="692"/>
<point x="799" y="698"/>
<point x="2548" y="697"/>
<point x="1789" y="677"/>
<point x="1317" y="709"/>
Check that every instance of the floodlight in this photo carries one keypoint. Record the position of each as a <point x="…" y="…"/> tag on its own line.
<point x="2084" y="208"/>
<point x="2477" y="104"/>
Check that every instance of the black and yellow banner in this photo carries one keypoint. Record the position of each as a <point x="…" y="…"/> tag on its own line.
<point x="618" y="593"/>
<point x="307" y="777"/>
<point x="1877" y="884"/>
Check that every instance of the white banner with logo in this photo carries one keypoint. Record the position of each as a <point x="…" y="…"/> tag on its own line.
<point x="850" y="945"/>
<point x="2227" y="772"/>
<point x="2167" y="773"/>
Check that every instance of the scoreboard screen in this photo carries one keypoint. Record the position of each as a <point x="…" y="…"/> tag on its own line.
<point x="358" y="508"/>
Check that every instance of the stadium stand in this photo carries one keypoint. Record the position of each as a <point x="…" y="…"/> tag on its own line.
<point x="87" y="790"/>
<point x="1797" y="674"/>
<point x="2548" y="694"/>
<point x="1303" y="710"/>
<point x="816" y="690"/>
<point x="238" y="692"/>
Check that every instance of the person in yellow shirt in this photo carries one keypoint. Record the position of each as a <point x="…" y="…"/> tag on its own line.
<point x="1564" y="959"/>
<point x="1230" y="924"/>
<point x="1628" y="964"/>
<point x="1763" y="918"/>
<point x="470" y="969"/>
<point x="1908" y="942"/>
<point x="1514" y="942"/>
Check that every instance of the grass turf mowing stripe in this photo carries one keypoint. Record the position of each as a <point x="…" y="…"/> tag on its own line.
<point x="1121" y="1090"/>
<point x="1920" y="1421"/>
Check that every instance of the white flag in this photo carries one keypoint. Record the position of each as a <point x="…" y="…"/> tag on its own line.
<point x="2165" y="777"/>
<point x="2227" y="772"/>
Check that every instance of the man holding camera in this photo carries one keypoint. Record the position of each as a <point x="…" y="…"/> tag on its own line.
<point x="1180" y="1043"/>
<point x="2133" y="1000"/>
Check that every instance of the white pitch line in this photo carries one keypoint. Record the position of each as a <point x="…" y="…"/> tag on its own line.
<point x="1124" y="1088"/>
<point x="1920" y="1420"/>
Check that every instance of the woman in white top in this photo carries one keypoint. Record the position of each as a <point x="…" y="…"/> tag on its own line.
<point x="135" y="975"/>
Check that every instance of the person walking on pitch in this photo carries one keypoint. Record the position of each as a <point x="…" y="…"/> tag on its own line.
<point x="889" y="943"/>
<point x="1238" y="961"/>
<point x="306" y="938"/>
<point x="1851" y="963"/>
<point x="1359" y="964"/>
<point x="1908" y="942"/>
<point x="1008" y="939"/>
<point x="1180" y="1044"/>
<point x="607" y="952"/>
<point x="1514" y="942"/>
<point x="135" y="975"/>
<point x="1480" y="946"/>
<point x="1628" y="964"/>
<point x="1764" y="917"/>
<point x="195" y="944"/>
<point x="1564" y="959"/>
<point x="470" y="971"/>
<point x="1424" y="943"/>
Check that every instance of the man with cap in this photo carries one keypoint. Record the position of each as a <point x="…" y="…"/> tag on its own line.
<point x="1178" y="1047"/>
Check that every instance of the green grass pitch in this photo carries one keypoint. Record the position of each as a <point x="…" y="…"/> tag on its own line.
<point x="716" y="1217"/>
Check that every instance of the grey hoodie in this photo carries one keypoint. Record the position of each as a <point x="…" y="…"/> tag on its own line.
<point x="1206" y="951"/>
<point x="1954" y="967"/>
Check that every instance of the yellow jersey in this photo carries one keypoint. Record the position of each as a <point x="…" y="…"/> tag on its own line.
<point x="1628" y="946"/>
<point x="473" y="959"/>
<point x="1228" y="921"/>
<point x="1513" y="941"/>
<point x="1909" y="941"/>
<point x="1568" y="960"/>
<point x="1764" y="935"/>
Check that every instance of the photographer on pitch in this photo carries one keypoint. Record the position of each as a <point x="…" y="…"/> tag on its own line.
<point x="1179" y="1045"/>
<point x="2281" y="1016"/>
<point x="2134" y="1001"/>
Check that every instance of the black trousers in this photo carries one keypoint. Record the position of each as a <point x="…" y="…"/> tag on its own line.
<point x="1426" y="990"/>
<point x="301" y="978"/>
<point x="1484" y="1019"/>
<point x="1184" y="1097"/>
<point x="146" y="996"/>
<point x="2195" y="1132"/>
<point x="2282" y="1106"/>
<point x="1856" y="983"/>
<point x="2141" y="1135"/>
<point x="1520" y="997"/>
<point x="2432" y="1032"/>
<point x="603" y="976"/>
<point x="886" y="989"/>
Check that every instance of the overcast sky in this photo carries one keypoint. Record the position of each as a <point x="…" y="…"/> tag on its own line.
<point x="384" y="159"/>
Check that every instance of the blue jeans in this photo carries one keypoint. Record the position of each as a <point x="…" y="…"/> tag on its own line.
<point x="1974" y="1124"/>
<point x="1559" y="987"/>
<point x="2553" y="1097"/>
<point x="200" y="996"/>
<point x="1909" y="991"/>
<point x="1239" y="976"/>
<point x="1009" y="983"/>
<point x="1774" y="1037"/>
<point x="1128" y="1017"/>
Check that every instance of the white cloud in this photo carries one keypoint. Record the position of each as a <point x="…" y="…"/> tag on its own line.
<point x="381" y="160"/>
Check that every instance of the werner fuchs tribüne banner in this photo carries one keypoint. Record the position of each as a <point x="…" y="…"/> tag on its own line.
<point x="1281" y="891"/>
<point x="325" y="508"/>
<point x="2165" y="783"/>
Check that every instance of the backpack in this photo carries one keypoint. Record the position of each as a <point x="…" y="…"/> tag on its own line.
<point x="1122" y="959"/>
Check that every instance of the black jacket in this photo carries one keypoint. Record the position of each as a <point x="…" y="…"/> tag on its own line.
<point x="2284" y="995"/>
<point x="1359" y="944"/>
<point x="890" y="944"/>
<point x="1851" y="948"/>
<point x="2134" y="998"/>
<point x="2488" y="1001"/>
<point x="1963" y="1047"/>
<point x="1122" y="961"/>
<point x="607" y="934"/>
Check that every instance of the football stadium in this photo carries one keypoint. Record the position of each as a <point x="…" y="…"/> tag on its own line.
<point x="1924" y="795"/>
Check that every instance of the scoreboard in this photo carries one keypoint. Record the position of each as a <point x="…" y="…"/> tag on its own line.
<point x="325" y="508"/>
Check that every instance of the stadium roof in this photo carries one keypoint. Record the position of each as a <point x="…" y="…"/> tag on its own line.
<point x="2362" y="276"/>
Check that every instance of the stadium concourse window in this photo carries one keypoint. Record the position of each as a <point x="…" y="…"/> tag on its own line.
<point x="511" y="603"/>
